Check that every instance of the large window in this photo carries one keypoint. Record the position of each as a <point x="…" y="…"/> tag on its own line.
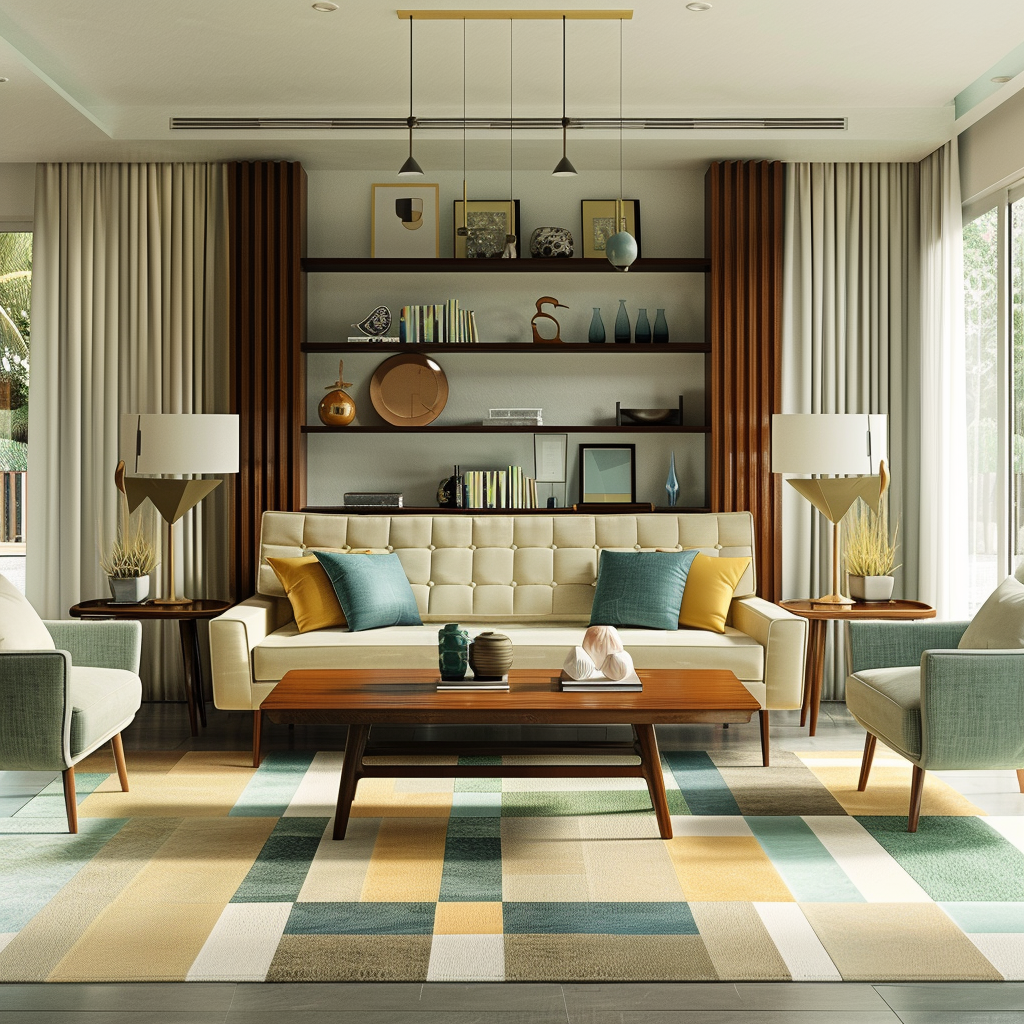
<point x="15" y="292"/>
<point x="994" y="311"/>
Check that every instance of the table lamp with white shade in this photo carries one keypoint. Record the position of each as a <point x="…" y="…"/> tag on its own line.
<point x="174" y="444"/>
<point x="847" y="454"/>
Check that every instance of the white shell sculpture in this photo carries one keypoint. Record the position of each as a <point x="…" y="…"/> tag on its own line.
<point x="600" y="641"/>
<point x="579" y="664"/>
<point x="617" y="665"/>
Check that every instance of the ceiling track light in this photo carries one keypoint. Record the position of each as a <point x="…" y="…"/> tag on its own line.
<point x="564" y="167"/>
<point x="410" y="168"/>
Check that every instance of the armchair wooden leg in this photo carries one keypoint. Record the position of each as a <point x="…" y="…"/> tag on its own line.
<point x="765" y="751"/>
<point x="70" y="803"/>
<point x="916" y="792"/>
<point x="865" y="764"/>
<point x="122" y="771"/>
<point x="1020" y="779"/>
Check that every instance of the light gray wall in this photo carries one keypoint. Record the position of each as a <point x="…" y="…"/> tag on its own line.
<point x="570" y="388"/>
<point x="17" y="194"/>
<point x="992" y="150"/>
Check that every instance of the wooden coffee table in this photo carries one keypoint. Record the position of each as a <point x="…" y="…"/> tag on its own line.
<point x="361" y="698"/>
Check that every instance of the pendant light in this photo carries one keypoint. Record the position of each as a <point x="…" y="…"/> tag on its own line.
<point x="463" y="229"/>
<point x="564" y="168"/>
<point x="510" y="238"/>
<point x="410" y="167"/>
<point x="621" y="247"/>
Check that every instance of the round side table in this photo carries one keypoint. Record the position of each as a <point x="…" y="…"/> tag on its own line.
<point x="187" y="615"/>
<point x="818" y="616"/>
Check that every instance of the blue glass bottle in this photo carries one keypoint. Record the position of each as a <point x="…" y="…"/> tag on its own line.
<point x="622" y="332"/>
<point x="596" y="335"/>
<point x="660" y="328"/>
<point x="643" y="328"/>
<point x="672" y="483"/>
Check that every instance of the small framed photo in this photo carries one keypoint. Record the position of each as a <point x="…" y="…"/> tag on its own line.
<point x="488" y="221"/>
<point x="549" y="451"/>
<point x="607" y="474"/>
<point x="599" y="225"/>
<point x="404" y="222"/>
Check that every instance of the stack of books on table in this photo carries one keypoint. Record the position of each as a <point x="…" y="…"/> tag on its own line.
<point x="599" y="683"/>
<point x="499" y="488"/>
<point x="472" y="683"/>
<point x="440" y="324"/>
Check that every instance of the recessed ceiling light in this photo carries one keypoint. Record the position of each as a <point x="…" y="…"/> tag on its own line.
<point x="1000" y="79"/>
<point x="2" y="80"/>
<point x="698" y="7"/>
<point x="324" y="6"/>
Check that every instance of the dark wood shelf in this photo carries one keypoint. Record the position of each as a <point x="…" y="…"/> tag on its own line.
<point x="337" y="265"/>
<point x="411" y="510"/>
<point x="564" y="349"/>
<point x="470" y="428"/>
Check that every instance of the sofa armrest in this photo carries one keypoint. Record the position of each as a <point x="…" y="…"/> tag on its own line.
<point x="898" y="644"/>
<point x="35" y="711"/>
<point x="105" y="644"/>
<point x="233" y="636"/>
<point x="971" y="709"/>
<point x="783" y="636"/>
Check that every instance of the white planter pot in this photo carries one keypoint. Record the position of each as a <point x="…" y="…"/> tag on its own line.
<point x="871" y="588"/>
<point x="131" y="590"/>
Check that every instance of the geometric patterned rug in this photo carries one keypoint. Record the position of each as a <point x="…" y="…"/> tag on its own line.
<point x="210" y="871"/>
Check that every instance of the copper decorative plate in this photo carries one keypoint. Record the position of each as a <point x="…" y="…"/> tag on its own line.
<point x="409" y="390"/>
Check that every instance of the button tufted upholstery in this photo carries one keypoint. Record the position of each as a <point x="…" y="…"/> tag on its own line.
<point x="530" y="575"/>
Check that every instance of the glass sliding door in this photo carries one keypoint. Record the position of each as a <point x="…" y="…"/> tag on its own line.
<point x="1015" y="378"/>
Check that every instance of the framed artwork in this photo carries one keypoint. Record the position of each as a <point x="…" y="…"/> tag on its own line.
<point x="404" y="222"/>
<point x="599" y="225"/>
<point x="549" y="451"/>
<point x="487" y="221"/>
<point x="607" y="473"/>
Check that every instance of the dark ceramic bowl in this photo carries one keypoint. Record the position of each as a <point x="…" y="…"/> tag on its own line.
<point x="651" y="416"/>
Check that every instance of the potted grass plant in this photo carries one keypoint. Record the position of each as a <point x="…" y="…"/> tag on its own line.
<point x="132" y="556"/>
<point x="869" y="553"/>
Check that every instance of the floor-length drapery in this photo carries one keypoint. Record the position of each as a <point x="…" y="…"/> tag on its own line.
<point x="849" y="309"/>
<point x="127" y="316"/>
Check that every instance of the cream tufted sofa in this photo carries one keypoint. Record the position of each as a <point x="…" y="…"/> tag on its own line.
<point x="532" y="576"/>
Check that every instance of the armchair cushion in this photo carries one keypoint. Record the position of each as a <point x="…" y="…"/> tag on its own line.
<point x="999" y="622"/>
<point x="887" y="702"/>
<point x="103" y="701"/>
<point x="21" y="629"/>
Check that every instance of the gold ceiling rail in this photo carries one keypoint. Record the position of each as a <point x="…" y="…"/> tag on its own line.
<point x="478" y="15"/>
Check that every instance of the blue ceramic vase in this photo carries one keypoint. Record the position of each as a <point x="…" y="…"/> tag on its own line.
<point x="622" y="333"/>
<point x="642" y="336"/>
<point x="452" y="651"/>
<point x="660" y="328"/>
<point x="596" y="335"/>
<point x="672" y="483"/>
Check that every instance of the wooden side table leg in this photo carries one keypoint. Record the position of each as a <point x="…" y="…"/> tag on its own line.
<point x="650" y="765"/>
<point x="197" y="674"/>
<point x="186" y="660"/>
<point x="351" y="767"/>
<point x="810" y="660"/>
<point x="819" y="673"/>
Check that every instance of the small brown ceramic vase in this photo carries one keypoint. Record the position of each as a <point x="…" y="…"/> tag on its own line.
<point x="337" y="409"/>
<point x="490" y="655"/>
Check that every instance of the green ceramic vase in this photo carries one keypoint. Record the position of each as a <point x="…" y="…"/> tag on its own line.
<point x="452" y="651"/>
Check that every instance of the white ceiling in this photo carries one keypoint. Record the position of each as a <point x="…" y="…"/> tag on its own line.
<point x="100" y="79"/>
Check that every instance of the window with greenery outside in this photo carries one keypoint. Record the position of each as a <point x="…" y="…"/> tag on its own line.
<point x="15" y="292"/>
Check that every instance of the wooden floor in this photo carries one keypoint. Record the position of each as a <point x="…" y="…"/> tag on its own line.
<point x="165" y="726"/>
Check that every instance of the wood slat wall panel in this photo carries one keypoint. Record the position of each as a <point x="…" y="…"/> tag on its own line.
<point x="743" y="239"/>
<point x="267" y="244"/>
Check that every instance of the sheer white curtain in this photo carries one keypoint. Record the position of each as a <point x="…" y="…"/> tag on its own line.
<point x="849" y="306"/>
<point x="943" y="573"/>
<point x="129" y="278"/>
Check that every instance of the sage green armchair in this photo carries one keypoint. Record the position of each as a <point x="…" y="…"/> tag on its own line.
<point x="56" y="707"/>
<point x="939" y="707"/>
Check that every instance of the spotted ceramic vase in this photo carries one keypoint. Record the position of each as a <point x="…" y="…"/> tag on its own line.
<point x="546" y="243"/>
<point x="452" y="651"/>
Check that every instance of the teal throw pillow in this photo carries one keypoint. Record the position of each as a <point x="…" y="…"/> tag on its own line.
<point x="373" y="590"/>
<point x="640" y="588"/>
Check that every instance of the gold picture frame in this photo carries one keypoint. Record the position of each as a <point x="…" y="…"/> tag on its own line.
<point x="405" y="221"/>
<point x="492" y="216"/>
<point x="598" y="223"/>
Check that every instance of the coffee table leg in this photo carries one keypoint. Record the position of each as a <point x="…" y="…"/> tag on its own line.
<point x="355" y="744"/>
<point x="650" y="764"/>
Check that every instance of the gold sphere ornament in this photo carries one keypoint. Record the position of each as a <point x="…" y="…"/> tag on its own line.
<point x="337" y="408"/>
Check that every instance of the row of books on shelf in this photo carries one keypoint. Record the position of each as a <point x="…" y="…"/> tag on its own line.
<point x="498" y="488"/>
<point x="440" y="324"/>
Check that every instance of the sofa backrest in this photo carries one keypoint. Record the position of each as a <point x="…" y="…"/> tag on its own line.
<point x="529" y="567"/>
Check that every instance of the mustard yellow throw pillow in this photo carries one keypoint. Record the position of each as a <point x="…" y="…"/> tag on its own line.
<point x="314" y="602"/>
<point x="708" y="592"/>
